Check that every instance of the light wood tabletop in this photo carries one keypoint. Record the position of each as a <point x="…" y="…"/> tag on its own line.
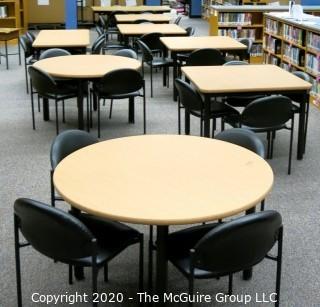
<point x="140" y="29"/>
<point x="163" y="179"/>
<point x="8" y="30"/>
<point x="85" y="66"/>
<point x="128" y="18"/>
<point x="188" y="43"/>
<point x="243" y="78"/>
<point x="9" y="33"/>
<point x="137" y="8"/>
<point x="62" y="38"/>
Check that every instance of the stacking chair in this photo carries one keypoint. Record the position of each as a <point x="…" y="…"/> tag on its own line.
<point x="177" y="20"/>
<point x="205" y="57"/>
<point x="29" y="56"/>
<point x="244" y="138"/>
<point x="84" y="241"/>
<point x="193" y="103"/>
<point x="267" y="114"/>
<point x="211" y="251"/>
<point x="182" y="57"/>
<point x="48" y="88"/>
<point x="98" y="45"/>
<point x="152" y="40"/>
<point x="148" y="58"/>
<point x="121" y="84"/>
<point x="31" y="36"/>
<point x="240" y="101"/>
<point x="63" y="145"/>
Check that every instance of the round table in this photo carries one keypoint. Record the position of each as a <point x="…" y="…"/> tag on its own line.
<point x="83" y="68"/>
<point x="163" y="180"/>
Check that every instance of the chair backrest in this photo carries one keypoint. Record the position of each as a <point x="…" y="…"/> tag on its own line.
<point x="267" y="112"/>
<point x="31" y="36"/>
<point x="98" y="44"/>
<point x="26" y="45"/>
<point x="146" y="52"/>
<point x="152" y="40"/>
<point x="177" y="20"/>
<point x="53" y="52"/>
<point x="190" y="31"/>
<point x="189" y="98"/>
<point x="237" y="245"/>
<point x="102" y="21"/>
<point x="248" y="42"/>
<point x="302" y="75"/>
<point x="137" y="21"/>
<point x="99" y="30"/>
<point x="128" y="53"/>
<point x="120" y="81"/>
<point x="235" y="62"/>
<point x="244" y="138"/>
<point x="205" y="57"/>
<point x="43" y="83"/>
<point x="68" y="142"/>
<point x="52" y="231"/>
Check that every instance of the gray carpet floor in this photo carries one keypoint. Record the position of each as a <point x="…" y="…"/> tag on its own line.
<point x="24" y="172"/>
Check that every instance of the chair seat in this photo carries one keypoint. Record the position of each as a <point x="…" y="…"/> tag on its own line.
<point x="241" y="101"/>
<point x="31" y="60"/>
<point x="295" y="108"/>
<point x="217" y="110"/>
<point x="161" y="62"/>
<point x="113" y="237"/>
<point x="181" y="242"/>
<point x="118" y="96"/>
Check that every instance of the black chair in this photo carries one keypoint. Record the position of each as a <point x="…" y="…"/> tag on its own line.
<point x="84" y="241"/>
<point x="53" y="52"/>
<point x="194" y="105"/>
<point x="48" y="88"/>
<point x="212" y="251"/>
<point x="190" y="31"/>
<point x="138" y="21"/>
<point x="31" y="36"/>
<point x="182" y="57"/>
<point x="128" y="53"/>
<point x="244" y="138"/>
<point x="248" y="42"/>
<point x="148" y="58"/>
<point x="296" y="107"/>
<point x="240" y="101"/>
<point x="121" y="84"/>
<point x="98" y="45"/>
<point x="267" y="114"/>
<point x="29" y="56"/>
<point x="152" y="40"/>
<point x="205" y="57"/>
<point x="63" y="145"/>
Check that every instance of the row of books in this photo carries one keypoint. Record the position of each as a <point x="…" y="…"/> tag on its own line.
<point x="312" y="64"/>
<point x="241" y="19"/>
<point x="315" y="87"/>
<point x="235" y="33"/>
<point x="294" y="55"/>
<point x="270" y="59"/>
<point x="313" y="41"/>
<point x="272" y="27"/>
<point x="294" y="34"/>
<point x="256" y="50"/>
<point x="272" y="44"/>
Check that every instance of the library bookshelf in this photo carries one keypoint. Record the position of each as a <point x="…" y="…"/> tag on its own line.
<point x="14" y="14"/>
<point x="245" y="21"/>
<point x="294" y="45"/>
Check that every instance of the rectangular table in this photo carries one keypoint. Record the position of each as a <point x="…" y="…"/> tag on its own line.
<point x="68" y="39"/>
<point x="7" y="34"/>
<point x="214" y="81"/>
<point x="190" y="43"/>
<point x="131" y="18"/>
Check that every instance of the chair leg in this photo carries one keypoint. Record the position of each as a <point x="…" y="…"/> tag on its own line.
<point x="26" y="74"/>
<point x="57" y="119"/>
<point x="279" y="263"/>
<point x="151" y="80"/>
<point x="273" y="136"/>
<point x="111" y="104"/>
<point x="105" y="272"/>
<point x="230" y="284"/>
<point x="179" y="116"/>
<point x="150" y="259"/>
<point x="52" y="189"/>
<point x="191" y="288"/>
<point x="306" y="125"/>
<point x="262" y="205"/>
<point x="39" y="104"/>
<point x="70" y="274"/>
<point x="268" y="145"/>
<point x="144" y="111"/>
<point x="94" y="280"/>
<point x="63" y="113"/>
<point x="98" y="105"/>
<point x="141" y="264"/>
<point x="32" y="110"/>
<point x="291" y="142"/>
<point x="17" y="256"/>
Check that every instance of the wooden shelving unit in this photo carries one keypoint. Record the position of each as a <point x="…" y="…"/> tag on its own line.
<point x="16" y="16"/>
<point x="245" y="21"/>
<point x="294" y="46"/>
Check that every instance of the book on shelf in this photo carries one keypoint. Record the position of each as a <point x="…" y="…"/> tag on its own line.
<point x="272" y="27"/>
<point x="293" y="54"/>
<point x="294" y="34"/>
<point x="313" y="64"/>
<point x="272" y="44"/>
<point x="313" y="41"/>
<point x="236" y="33"/>
<point x="3" y="11"/>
